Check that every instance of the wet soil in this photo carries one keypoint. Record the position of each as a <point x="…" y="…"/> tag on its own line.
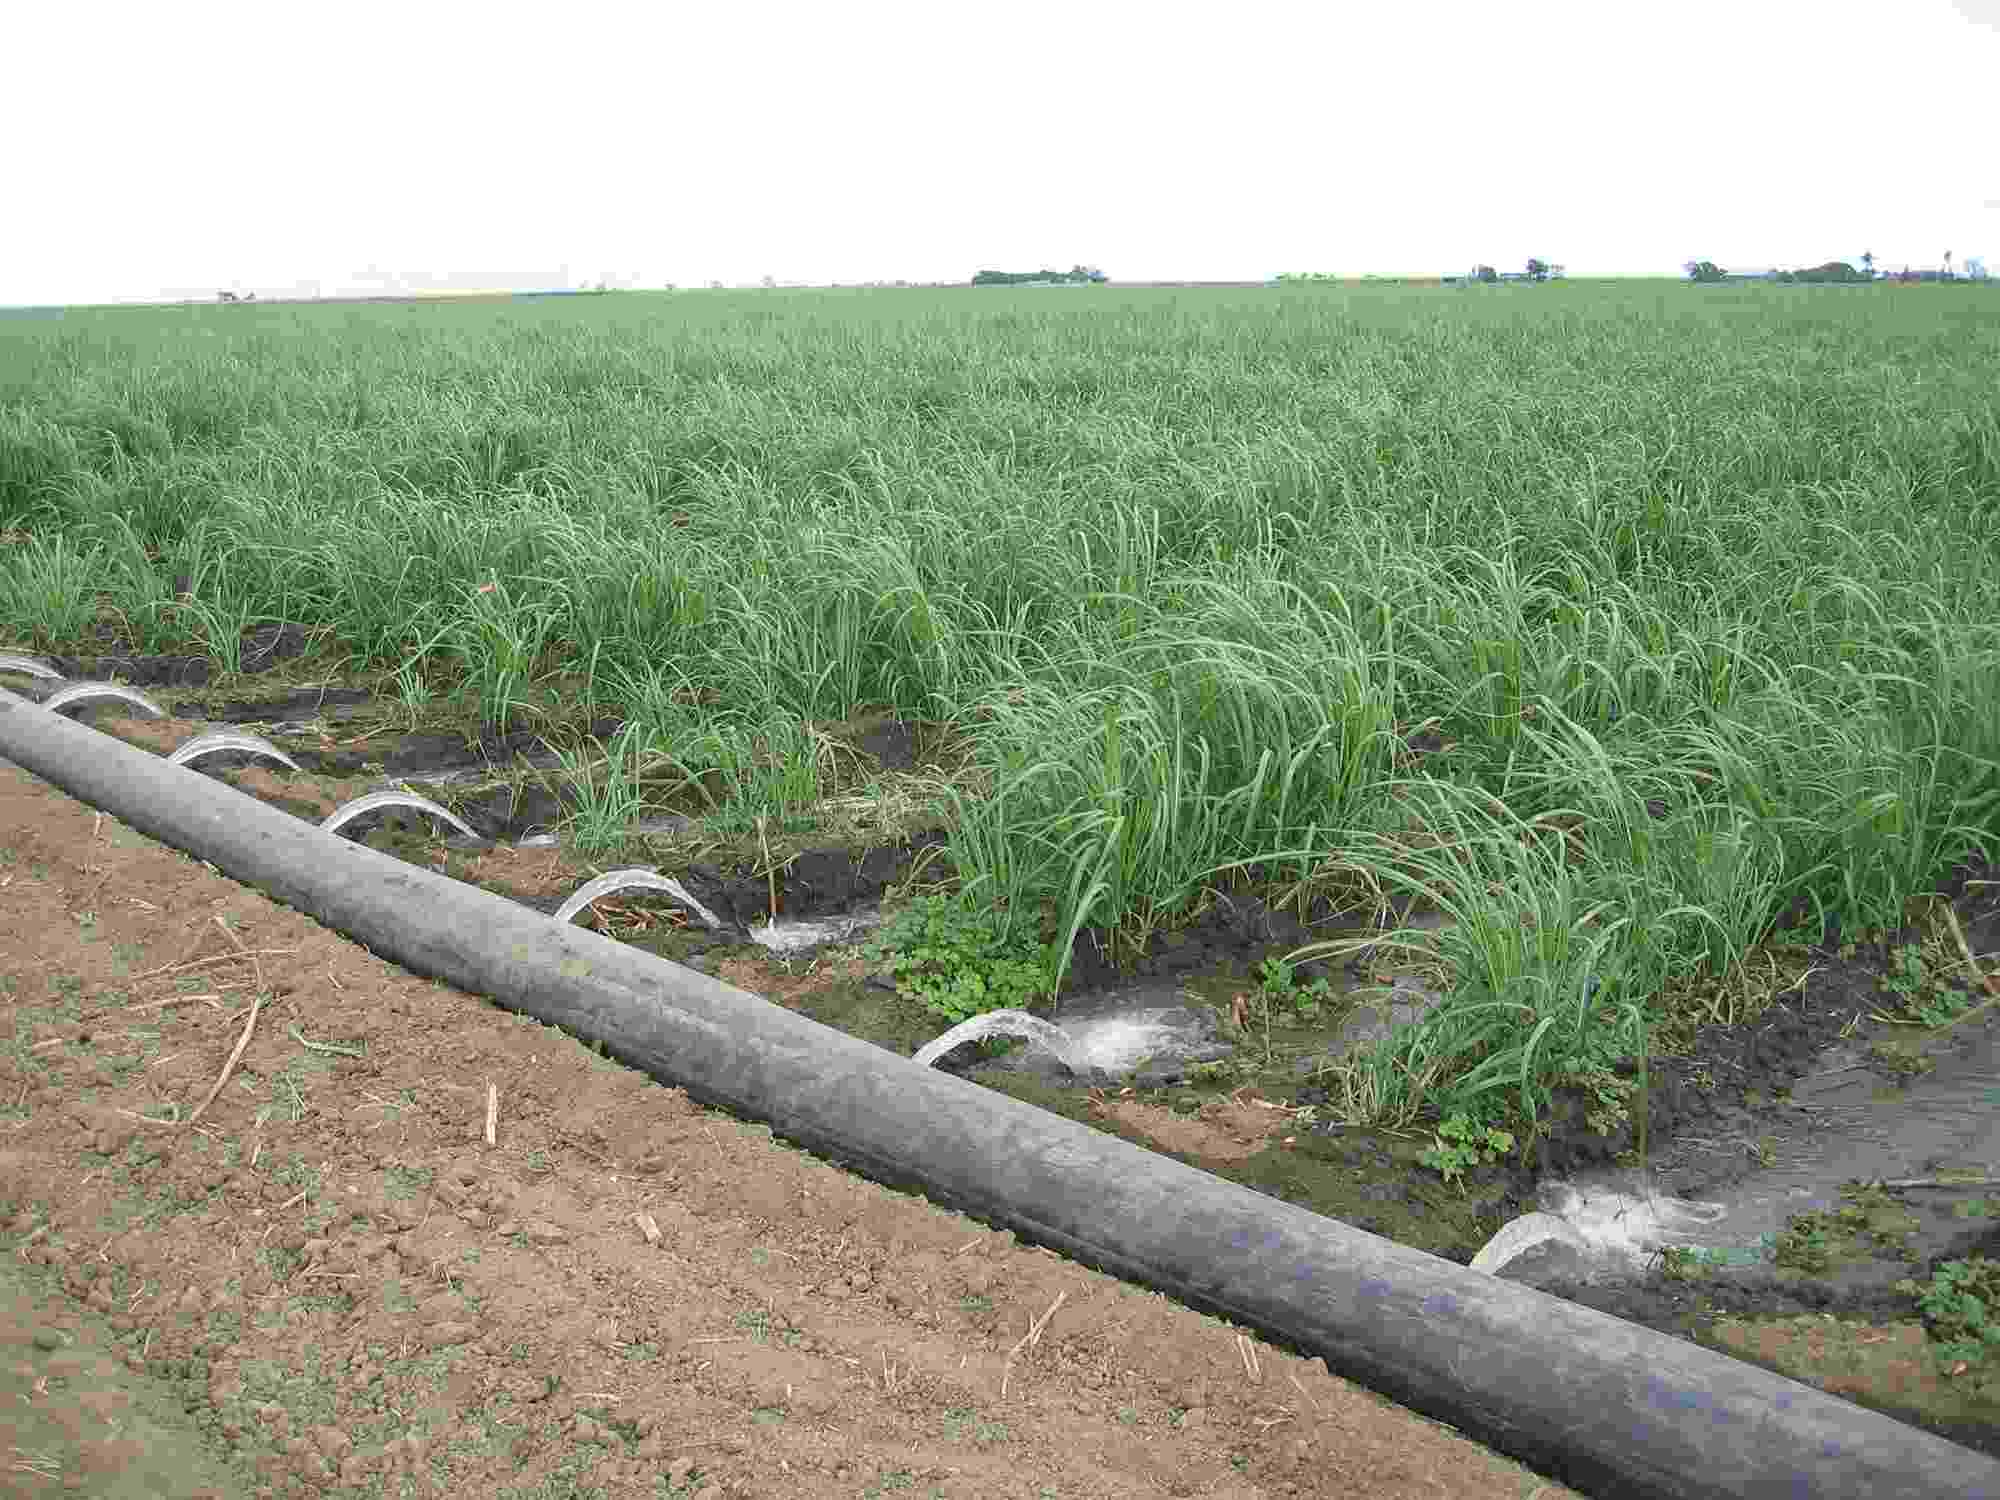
<point x="1719" y="1110"/>
<point x="1864" y="1205"/>
<point x="263" y="647"/>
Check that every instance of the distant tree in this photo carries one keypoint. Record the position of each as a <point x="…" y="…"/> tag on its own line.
<point x="1538" y="270"/>
<point x="1485" y="273"/>
<point x="1704" y="270"/>
<point x="1975" y="267"/>
<point x="1947" y="263"/>
<point x="1868" y="263"/>
<point x="1833" y="270"/>
<point x="1077" y="275"/>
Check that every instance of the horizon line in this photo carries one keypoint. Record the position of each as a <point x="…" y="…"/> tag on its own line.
<point x="452" y="294"/>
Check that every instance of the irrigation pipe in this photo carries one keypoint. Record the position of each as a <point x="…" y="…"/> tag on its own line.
<point x="1610" y="1408"/>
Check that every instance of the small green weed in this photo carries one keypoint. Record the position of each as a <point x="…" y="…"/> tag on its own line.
<point x="1461" y="1143"/>
<point x="1900" y="1059"/>
<point x="1806" y="1246"/>
<point x="1906" y="971"/>
<point x="1959" y="1310"/>
<point x="1278" y="985"/>
<point x="1611" y="1095"/>
<point x="1685" y="1262"/>
<point x="1917" y="988"/>
<point x="955" y="962"/>
<point x="963" y="1422"/>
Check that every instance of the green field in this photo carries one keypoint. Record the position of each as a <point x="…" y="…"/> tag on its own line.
<point x="1693" y="594"/>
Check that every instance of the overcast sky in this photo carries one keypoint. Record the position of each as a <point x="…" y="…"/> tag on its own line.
<point x="181" y="149"/>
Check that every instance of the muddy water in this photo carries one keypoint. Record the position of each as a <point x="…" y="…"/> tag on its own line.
<point x="1830" y="1210"/>
<point x="1852" y="1124"/>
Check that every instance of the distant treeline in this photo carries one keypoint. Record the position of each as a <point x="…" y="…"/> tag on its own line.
<point x="1833" y="270"/>
<point x="1075" y="274"/>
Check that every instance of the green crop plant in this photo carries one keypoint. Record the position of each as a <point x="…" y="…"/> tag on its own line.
<point x="501" y="643"/>
<point x="413" y="691"/>
<point x="1174" y="573"/>
<point x="606" y="789"/>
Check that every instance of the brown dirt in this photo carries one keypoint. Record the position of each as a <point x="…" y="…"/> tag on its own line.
<point x="329" y="1284"/>
<point x="1233" y="1129"/>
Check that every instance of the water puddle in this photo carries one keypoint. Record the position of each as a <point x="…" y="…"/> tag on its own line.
<point x="1808" y="1255"/>
<point x="1146" y="1036"/>
<point x="1934" y="1136"/>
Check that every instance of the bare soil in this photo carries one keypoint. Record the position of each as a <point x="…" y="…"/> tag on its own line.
<point x="327" y="1283"/>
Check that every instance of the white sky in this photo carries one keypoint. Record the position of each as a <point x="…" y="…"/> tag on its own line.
<point x="179" y="149"/>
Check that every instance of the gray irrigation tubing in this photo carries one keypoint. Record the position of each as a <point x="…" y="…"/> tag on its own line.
<point x="1610" y="1408"/>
